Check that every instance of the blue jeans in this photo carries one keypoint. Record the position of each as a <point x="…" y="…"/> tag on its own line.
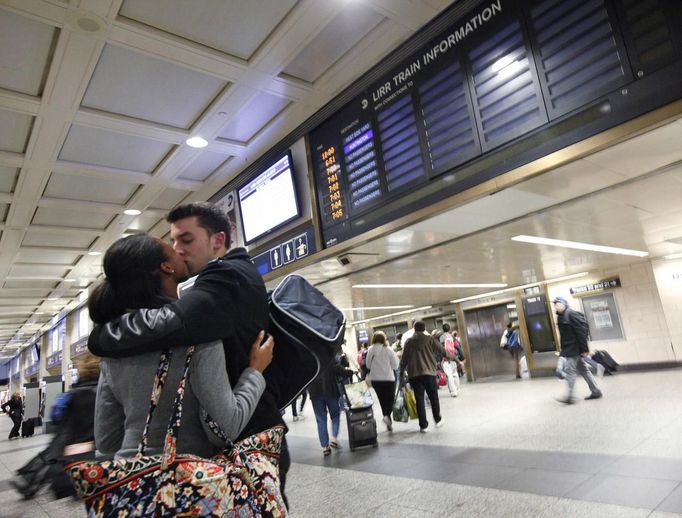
<point x="322" y="404"/>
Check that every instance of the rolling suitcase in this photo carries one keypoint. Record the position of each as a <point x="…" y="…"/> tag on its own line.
<point x="362" y="427"/>
<point x="606" y="360"/>
<point x="27" y="428"/>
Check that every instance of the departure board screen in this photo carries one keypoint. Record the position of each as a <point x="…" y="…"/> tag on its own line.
<point x="478" y="84"/>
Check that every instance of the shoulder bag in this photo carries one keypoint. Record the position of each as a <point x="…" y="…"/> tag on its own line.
<point x="241" y="481"/>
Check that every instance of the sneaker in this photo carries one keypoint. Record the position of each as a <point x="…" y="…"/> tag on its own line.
<point x="595" y="395"/>
<point x="295" y="418"/>
<point x="424" y="430"/>
<point x="388" y="423"/>
<point x="566" y="401"/>
<point x="439" y="423"/>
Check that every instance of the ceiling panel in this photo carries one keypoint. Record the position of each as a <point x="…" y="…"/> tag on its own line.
<point x="144" y="223"/>
<point x="71" y="218"/>
<point x="121" y="71"/>
<point x="28" y="284"/>
<point x="8" y="301"/>
<point x="14" y="131"/>
<point x="26" y="51"/>
<point x="3" y="211"/>
<point x="168" y="199"/>
<point x="68" y="240"/>
<point x="346" y="29"/>
<point x="253" y="117"/>
<point x="38" y="270"/>
<point x="78" y="187"/>
<point x="111" y="149"/>
<point x="8" y="178"/>
<point x="47" y="256"/>
<point x="203" y="166"/>
<point x="237" y="27"/>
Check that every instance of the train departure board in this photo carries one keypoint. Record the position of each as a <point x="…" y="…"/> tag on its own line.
<point x="491" y="78"/>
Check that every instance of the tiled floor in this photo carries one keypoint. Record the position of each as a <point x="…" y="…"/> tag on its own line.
<point x="507" y="449"/>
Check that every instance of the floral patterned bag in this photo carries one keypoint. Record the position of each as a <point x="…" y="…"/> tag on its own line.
<point x="242" y="481"/>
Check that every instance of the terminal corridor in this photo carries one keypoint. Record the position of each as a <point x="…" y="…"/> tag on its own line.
<point x="507" y="448"/>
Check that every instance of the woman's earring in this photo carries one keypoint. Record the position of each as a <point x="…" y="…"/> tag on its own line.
<point x="172" y="271"/>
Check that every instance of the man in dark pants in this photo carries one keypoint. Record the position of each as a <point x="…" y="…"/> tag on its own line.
<point x="419" y="359"/>
<point x="228" y="301"/>
<point x="573" y="331"/>
<point x="15" y="408"/>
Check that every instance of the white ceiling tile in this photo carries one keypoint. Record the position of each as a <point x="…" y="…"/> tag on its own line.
<point x="346" y="29"/>
<point x="14" y="129"/>
<point x="38" y="270"/>
<point x="253" y="117"/>
<point x="203" y="166"/>
<point x="168" y="199"/>
<point x="77" y="187"/>
<point x="644" y="153"/>
<point x="26" y="50"/>
<point x="30" y="284"/>
<point x="71" y="218"/>
<point x="164" y="93"/>
<point x="8" y="178"/>
<point x="111" y="149"/>
<point x="47" y="256"/>
<point x="37" y="238"/>
<point x="237" y="27"/>
<point x="144" y="223"/>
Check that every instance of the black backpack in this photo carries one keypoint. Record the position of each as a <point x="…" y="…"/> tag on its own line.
<point x="308" y="331"/>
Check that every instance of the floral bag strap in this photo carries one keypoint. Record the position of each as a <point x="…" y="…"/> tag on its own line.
<point x="159" y="382"/>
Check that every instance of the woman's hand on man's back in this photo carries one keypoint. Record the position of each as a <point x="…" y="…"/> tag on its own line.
<point x="261" y="355"/>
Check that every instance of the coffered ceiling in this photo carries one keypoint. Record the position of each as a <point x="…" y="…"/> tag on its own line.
<point x="97" y="98"/>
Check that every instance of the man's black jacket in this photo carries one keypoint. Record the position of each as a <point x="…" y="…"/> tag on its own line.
<point x="573" y="331"/>
<point x="228" y="302"/>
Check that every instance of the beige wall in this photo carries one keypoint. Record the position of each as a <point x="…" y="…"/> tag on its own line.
<point x="668" y="275"/>
<point x="641" y="311"/>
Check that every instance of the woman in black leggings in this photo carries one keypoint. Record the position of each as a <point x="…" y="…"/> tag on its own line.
<point x="382" y="363"/>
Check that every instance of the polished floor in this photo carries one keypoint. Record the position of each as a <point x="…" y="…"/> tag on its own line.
<point x="507" y="448"/>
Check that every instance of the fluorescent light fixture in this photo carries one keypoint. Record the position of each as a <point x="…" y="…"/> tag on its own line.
<point x="132" y="212"/>
<point x="69" y="280"/>
<point x="391" y="315"/>
<point x="522" y="286"/>
<point x="377" y="307"/>
<point x="411" y="286"/>
<point x="93" y="252"/>
<point x="579" y="246"/>
<point x="673" y="256"/>
<point x="196" y="142"/>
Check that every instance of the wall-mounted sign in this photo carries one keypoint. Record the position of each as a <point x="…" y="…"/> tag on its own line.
<point x="606" y="284"/>
<point x="54" y="360"/>
<point x="79" y="347"/>
<point x="286" y="252"/>
<point x="32" y="369"/>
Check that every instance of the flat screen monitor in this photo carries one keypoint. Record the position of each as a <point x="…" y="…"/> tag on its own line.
<point x="269" y="200"/>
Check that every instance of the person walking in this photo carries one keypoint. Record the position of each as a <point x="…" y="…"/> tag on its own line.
<point x="419" y="360"/>
<point x="512" y="344"/>
<point x="15" y="408"/>
<point x="324" y="394"/>
<point x="573" y="330"/>
<point x="382" y="363"/>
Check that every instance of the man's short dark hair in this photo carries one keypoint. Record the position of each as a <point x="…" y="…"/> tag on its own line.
<point x="446" y="328"/>
<point x="419" y="326"/>
<point x="209" y="217"/>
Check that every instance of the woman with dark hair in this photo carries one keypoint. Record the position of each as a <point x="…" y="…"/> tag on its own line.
<point x="144" y="272"/>
<point x="382" y="363"/>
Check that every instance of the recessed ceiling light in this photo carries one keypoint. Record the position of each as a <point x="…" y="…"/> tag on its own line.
<point x="409" y="286"/>
<point x="377" y="307"/>
<point x="94" y="252"/>
<point x="392" y="315"/>
<point x="196" y="142"/>
<point x="579" y="246"/>
<point x="522" y="286"/>
<point x="132" y="212"/>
